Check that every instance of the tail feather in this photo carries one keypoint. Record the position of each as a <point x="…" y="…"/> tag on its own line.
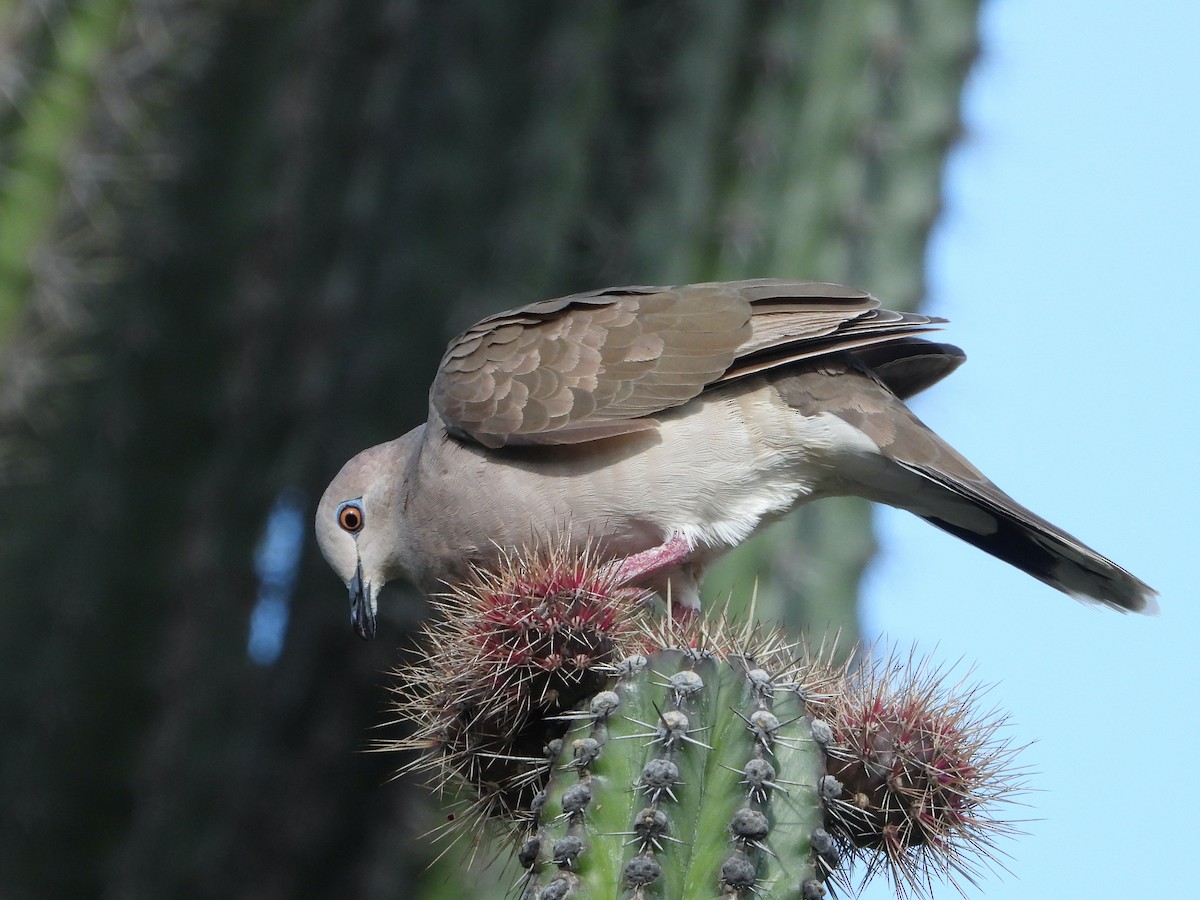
<point x="888" y="455"/>
<point x="1025" y="540"/>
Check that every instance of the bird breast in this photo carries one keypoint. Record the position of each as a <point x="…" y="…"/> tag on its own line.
<point x="715" y="470"/>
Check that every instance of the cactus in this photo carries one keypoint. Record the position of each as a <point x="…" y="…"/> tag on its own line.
<point x="237" y="236"/>
<point x="628" y="755"/>
<point x="725" y="778"/>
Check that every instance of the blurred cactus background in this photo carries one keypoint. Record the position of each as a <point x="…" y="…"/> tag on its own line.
<point x="234" y="239"/>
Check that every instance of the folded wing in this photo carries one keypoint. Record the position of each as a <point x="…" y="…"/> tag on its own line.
<point x="603" y="363"/>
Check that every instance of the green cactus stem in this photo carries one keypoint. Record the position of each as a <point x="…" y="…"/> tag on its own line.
<point x="697" y="776"/>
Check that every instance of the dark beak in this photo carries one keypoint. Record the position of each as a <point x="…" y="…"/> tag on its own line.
<point x="362" y="617"/>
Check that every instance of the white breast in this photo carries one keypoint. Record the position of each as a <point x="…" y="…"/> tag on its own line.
<point x="723" y="466"/>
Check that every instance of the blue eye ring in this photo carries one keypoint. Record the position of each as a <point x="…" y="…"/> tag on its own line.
<point x="350" y="516"/>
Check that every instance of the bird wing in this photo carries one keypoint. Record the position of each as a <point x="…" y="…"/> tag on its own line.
<point x="908" y="365"/>
<point x="602" y="363"/>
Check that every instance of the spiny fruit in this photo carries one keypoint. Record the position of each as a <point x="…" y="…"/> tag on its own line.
<point x="510" y="652"/>
<point x="921" y="773"/>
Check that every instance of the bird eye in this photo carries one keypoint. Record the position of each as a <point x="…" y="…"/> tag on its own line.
<point x="350" y="517"/>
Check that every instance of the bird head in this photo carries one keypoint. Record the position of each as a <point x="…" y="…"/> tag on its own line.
<point x="361" y="529"/>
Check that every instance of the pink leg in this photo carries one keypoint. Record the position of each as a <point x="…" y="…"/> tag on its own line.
<point x="657" y="559"/>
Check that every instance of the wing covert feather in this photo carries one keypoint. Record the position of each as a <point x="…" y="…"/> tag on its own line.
<point x="603" y="363"/>
<point x="569" y="369"/>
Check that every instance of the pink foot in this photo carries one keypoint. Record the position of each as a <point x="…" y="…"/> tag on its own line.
<point x="657" y="559"/>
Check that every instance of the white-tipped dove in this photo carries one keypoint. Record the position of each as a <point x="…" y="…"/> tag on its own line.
<point x="662" y="426"/>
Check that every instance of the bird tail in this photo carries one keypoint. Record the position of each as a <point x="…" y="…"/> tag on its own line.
<point x="908" y="466"/>
<point x="1021" y="538"/>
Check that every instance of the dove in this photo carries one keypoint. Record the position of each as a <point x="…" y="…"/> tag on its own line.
<point x="659" y="428"/>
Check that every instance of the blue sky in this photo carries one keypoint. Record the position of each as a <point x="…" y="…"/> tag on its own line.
<point x="1067" y="261"/>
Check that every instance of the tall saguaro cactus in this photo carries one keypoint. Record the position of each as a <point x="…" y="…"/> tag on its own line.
<point x="233" y="240"/>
